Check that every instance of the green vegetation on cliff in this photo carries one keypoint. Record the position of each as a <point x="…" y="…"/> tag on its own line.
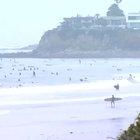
<point x="133" y="132"/>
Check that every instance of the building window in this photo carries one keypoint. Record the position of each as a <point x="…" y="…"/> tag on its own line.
<point x="135" y="25"/>
<point x="133" y="17"/>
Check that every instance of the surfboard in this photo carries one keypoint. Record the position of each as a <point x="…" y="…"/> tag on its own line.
<point x="110" y="99"/>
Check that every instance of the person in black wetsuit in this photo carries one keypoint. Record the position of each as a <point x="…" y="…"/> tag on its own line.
<point x="113" y="101"/>
<point x="34" y="73"/>
<point x="117" y="87"/>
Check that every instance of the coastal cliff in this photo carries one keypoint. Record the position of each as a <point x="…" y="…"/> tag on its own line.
<point x="102" y="42"/>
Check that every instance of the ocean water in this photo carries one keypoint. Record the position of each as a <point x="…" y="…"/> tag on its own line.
<point x="2" y="51"/>
<point x="67" y="71"/>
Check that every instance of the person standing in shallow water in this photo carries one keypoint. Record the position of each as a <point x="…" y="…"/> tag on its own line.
<point x="113" y="101"/>
<point x="117" y="87"/>
<point x="79" y="61"/>
<point x="34" y="73"/>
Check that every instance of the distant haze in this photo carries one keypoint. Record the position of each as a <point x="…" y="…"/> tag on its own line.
<point x="23" y="22"/>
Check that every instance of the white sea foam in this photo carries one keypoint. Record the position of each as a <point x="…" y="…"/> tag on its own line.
<point x="96" y="85"/>
<point x="4" y="112"/>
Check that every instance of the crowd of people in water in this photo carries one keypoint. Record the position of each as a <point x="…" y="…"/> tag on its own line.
<point x="34" y="71"/>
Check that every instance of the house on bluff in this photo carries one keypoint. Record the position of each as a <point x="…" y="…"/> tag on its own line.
<point x="132" y="20"/>
<point x="95" y="22"/>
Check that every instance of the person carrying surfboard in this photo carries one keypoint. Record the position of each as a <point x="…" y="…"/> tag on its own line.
<point x="113" y="101"/>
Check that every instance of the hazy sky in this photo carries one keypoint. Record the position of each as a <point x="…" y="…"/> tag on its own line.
<point x="23" y="22"/>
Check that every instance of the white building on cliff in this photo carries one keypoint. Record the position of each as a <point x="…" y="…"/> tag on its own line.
<point x="133" y="20"/>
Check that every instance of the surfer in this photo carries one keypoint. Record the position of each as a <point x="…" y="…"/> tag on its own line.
<point x="113" y="101"/>
<point x="117" y="87"/>
<point x="130" y="78"/>
<point x="70" y="79"/>
<point x="34" y="73"/>
<point x="79" y="61"/>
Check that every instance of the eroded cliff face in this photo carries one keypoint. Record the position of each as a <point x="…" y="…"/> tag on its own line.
<point x="101" y="42"/>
